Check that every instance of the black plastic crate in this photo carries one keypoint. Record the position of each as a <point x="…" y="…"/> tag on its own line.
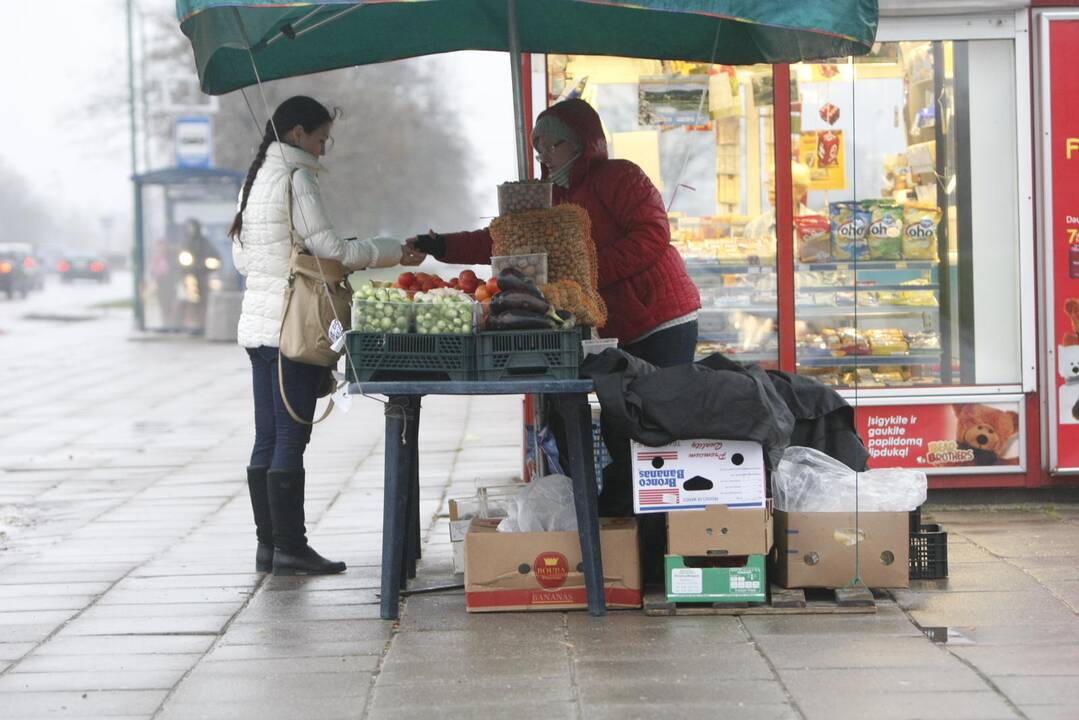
<point x="929" y="553"/>
<point x="412" y="356"/>
<point x="528" y="354"/>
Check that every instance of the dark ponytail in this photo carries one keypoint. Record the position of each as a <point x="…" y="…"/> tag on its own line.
<point x="299" y="110"/>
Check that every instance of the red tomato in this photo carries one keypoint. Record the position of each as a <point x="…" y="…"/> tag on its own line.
<point x="467" y="275"/>
<point x="405" y="279"/>
<point x="492" y="286"/>
<point x="421" y="276"/>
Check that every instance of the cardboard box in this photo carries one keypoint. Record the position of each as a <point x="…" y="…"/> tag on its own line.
<point x="818" y="549"/>
<point x="541" y="571"/>
<point x="488" y="502"/>
<point x="719" y="530"/>
<point x="716" y="579"/>
<point x="692" y="474"/>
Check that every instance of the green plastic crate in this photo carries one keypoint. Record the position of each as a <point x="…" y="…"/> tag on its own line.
<point x="389" y="356"/>
<point x="528" y="354"/>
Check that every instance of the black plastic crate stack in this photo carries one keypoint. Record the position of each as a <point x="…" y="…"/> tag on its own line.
<point x="928" y="549"/>
<point x="388" y="356"/>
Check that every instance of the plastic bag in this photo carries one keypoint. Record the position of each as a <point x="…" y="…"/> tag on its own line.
<point x="807" y="480"/>
<point x="543" y="505"/>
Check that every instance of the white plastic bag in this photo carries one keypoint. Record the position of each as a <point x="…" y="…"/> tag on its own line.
<point x="543" y="505"/>
<point x="807" y="480"/>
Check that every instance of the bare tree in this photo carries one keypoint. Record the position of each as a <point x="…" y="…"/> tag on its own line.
<point x="397" y="164"/>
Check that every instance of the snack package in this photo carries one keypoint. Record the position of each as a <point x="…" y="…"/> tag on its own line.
<point x="850" y="229"/>
<point x="813" y="237"/>
<point x="887" y="341"/>
<point x="885" y="235"/>
<point x="920" y="232"/>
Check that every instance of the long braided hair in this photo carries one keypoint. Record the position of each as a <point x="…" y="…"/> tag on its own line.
<point x="299" y="110"/>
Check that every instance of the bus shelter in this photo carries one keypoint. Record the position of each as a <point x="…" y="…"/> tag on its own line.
<point x="183" y="257"/>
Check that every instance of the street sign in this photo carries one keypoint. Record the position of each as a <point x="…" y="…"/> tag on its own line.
<point x="194" y="141"/>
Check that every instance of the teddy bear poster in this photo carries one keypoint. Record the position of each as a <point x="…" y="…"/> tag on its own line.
<point x="942" y="436"/>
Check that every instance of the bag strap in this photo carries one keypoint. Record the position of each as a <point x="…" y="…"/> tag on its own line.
<point x="284" y="398"/>
<point x="297" y="246"/>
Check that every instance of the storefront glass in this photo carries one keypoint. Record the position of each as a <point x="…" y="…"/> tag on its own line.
<point x="906" y="241"/>
<point x="703" y="134"/>
<point x="906" y="203"/>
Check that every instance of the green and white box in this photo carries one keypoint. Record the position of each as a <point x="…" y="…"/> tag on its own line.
<point x="716" y="580"/>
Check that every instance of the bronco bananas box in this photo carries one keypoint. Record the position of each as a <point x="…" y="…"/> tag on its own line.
<point x="692" y="474"/>
<point x="541" y="570"/>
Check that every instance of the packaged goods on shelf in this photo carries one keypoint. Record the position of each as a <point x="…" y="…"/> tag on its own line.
<point x="814" y="238"/>
<point x="920" y="232"/>
<point x="850" y="228"/>
<point x="861" y="377"/>
<point x="924" y="341"/>
<point x="887" y="341"/>
<point x="885" y="236"/>
<point x="846" y="341"/>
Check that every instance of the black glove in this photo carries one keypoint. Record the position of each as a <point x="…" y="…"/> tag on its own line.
<point x="431" y="244"/>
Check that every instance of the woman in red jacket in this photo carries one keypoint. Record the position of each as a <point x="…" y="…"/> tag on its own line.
<point x="651" y="302"/>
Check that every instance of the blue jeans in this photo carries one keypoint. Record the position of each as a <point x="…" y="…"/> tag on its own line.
<point x="667" y="348"/>
<point x="279" y="440"/>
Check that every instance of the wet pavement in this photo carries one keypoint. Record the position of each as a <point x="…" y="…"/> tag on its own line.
<point x="127" y="586"/>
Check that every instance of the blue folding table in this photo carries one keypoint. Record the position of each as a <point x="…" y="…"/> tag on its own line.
<point x="401" y="510"/>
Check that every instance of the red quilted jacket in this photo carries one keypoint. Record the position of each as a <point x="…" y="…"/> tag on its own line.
<point x="642" y="278"/>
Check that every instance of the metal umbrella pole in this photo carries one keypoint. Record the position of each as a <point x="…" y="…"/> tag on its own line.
<point x="519" y="120"/>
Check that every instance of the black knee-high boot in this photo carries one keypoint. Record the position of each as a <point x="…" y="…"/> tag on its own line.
<point x="260" y="506"/>
<point x="292" y="555"/>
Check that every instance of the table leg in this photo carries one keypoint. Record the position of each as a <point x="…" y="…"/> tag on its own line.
<point x="577" y="418"/>
<point x="412" y="453"/>
<point x="397" y="480"/>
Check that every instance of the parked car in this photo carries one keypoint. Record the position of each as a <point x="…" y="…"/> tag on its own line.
<point x="32" y="266"/>
<point x="13" y="277"/>
<point x="83" y="265"/>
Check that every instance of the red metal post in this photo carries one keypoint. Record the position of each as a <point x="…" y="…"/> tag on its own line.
<point x="781" y="125"/>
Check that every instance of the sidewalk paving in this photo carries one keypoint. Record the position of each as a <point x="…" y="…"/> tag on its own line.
<point x="127" y="586"/>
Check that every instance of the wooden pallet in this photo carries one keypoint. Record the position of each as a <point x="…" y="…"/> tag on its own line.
<point x="844" y="601"/>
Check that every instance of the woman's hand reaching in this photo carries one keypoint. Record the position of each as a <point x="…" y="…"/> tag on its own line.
<point x="410" y="256"/>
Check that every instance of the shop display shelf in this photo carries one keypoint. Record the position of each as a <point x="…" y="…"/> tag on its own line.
<point x="748" y="357"/>
<point x="869" y="265"/>
<point x="862" y="310"/>
<point x="744" y="308"/>
<point x="928" y="552"/>
<point x="876" y="287"/>
<point x="705" y="265"/>
<point x="532" y="354"/>
<point x="932" y="358"/>
<point x="390" y="356"/>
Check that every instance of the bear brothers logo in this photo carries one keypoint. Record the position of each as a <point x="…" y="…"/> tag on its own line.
<point x="551" y="569"/>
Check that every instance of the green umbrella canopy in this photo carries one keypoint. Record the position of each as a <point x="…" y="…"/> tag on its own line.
<point x="288" y="38"/>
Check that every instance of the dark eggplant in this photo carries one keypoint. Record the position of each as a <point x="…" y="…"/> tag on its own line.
<point x="505" y="301"/>
<point x="519" y="320"/>
<point x="510" y="283"/>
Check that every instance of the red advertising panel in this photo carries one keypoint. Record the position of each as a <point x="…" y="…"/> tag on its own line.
<point x="944" y="438"/>
<point x="1064" y="243"/>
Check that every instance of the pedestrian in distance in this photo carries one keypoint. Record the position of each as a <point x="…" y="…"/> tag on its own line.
<point x="294" y="139"/>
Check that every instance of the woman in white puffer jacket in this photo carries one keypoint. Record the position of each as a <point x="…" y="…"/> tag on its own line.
<point x="261" y="250"/>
